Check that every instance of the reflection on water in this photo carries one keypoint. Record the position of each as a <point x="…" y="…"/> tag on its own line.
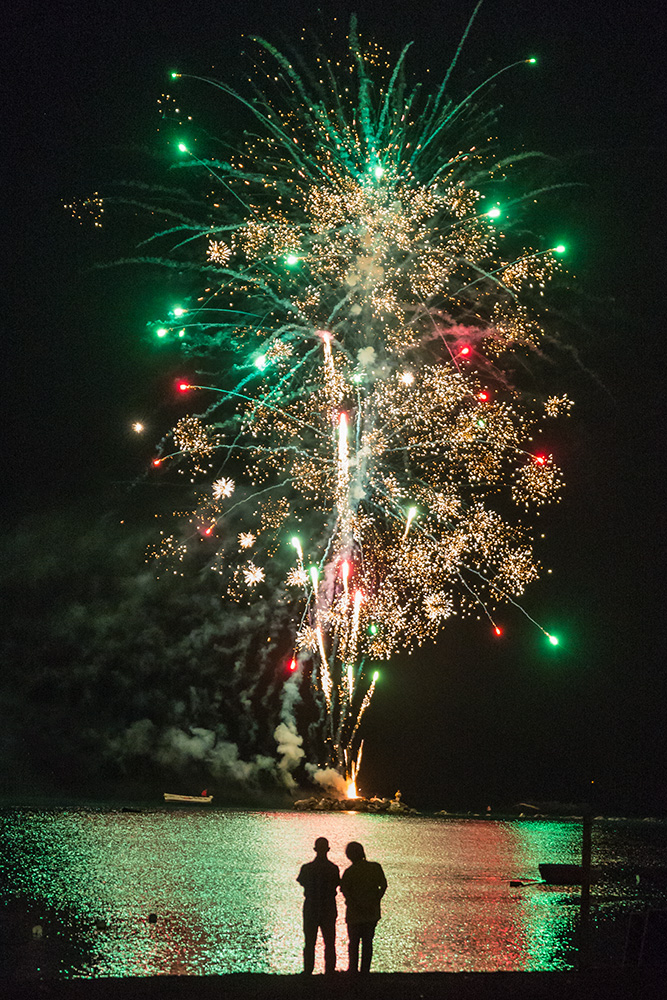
<point x="222" y="885"/>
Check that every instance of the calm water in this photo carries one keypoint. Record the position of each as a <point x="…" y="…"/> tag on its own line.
<point x="223" y="887"/>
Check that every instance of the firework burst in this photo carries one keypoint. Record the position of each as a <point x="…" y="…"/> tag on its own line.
<point x="375" y="303"/>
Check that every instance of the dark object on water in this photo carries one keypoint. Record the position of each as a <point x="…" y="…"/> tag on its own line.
<point x="554" y="874"/>
<point x="152" y="918"/>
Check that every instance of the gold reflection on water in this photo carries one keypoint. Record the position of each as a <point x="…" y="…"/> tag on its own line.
<point x="222" y="886"/>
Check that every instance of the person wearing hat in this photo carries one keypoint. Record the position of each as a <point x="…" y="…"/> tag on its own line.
<point x="320" y="880"/>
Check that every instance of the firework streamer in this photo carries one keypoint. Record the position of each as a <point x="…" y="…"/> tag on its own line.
<point x="369" y="286"/>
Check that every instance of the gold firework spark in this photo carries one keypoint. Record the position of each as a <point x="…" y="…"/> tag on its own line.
<point x="218" y="252"/>
<point x="223" y="488"/>
<point x="387" y="461"/>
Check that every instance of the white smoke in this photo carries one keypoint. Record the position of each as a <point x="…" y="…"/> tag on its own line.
<point x="177" y="749"/>
<point x="291" y="695"/>
<point x="291" y="750"/>
<point x="329" y="779"/>
<point x="137" y="740"/>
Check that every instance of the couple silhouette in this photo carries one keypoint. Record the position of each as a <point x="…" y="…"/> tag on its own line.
<point x="363" y="885"/>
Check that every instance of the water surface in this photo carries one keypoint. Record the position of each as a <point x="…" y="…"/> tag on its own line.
<point x="222" y="885"/>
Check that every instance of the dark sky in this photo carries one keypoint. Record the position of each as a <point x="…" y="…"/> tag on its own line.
<point x="468" y="721"/>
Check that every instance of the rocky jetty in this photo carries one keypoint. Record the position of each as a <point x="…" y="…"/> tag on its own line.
<point x="373" y="805"/>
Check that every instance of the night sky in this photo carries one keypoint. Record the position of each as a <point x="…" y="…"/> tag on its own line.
<point x="91" y="644"/>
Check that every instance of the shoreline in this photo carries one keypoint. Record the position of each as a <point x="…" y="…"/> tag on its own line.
<point x="144" y="806"/>
<point x="619" y="983"/>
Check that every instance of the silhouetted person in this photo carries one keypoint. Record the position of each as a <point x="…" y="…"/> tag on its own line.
<point x="320" y="880"/>
<point x="363" y="884"/>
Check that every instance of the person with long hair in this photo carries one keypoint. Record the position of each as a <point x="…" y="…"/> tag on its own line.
<point x="363" y="885"/>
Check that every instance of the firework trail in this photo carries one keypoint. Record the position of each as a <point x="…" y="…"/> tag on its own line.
<point x="371" y="465"/>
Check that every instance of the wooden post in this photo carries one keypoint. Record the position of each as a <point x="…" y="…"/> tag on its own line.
<point x="585" y="906"/>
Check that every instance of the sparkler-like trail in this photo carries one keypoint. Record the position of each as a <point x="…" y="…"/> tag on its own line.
<point x="374" y="298"/>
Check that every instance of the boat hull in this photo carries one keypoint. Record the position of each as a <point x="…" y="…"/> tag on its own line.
<point x="200" y="800"/>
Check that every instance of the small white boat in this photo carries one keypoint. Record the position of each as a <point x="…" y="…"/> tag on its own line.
<point x="202" y="799"/>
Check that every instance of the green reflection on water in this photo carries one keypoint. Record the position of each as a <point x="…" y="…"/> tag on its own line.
<point x="548" y="915"/>
<point x="222" y="885"/>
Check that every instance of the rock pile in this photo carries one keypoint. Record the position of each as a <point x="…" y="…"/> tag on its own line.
<point x="373" y="805"/>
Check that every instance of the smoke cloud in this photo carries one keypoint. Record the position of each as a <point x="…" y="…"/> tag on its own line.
<point x="328" y="779"/>
<point x="177" y="750"/>
<point x="290" y="749"/>
<point x="114" y="678"/>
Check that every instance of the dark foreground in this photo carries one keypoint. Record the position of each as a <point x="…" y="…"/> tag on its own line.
<point x="608" y="984"/>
